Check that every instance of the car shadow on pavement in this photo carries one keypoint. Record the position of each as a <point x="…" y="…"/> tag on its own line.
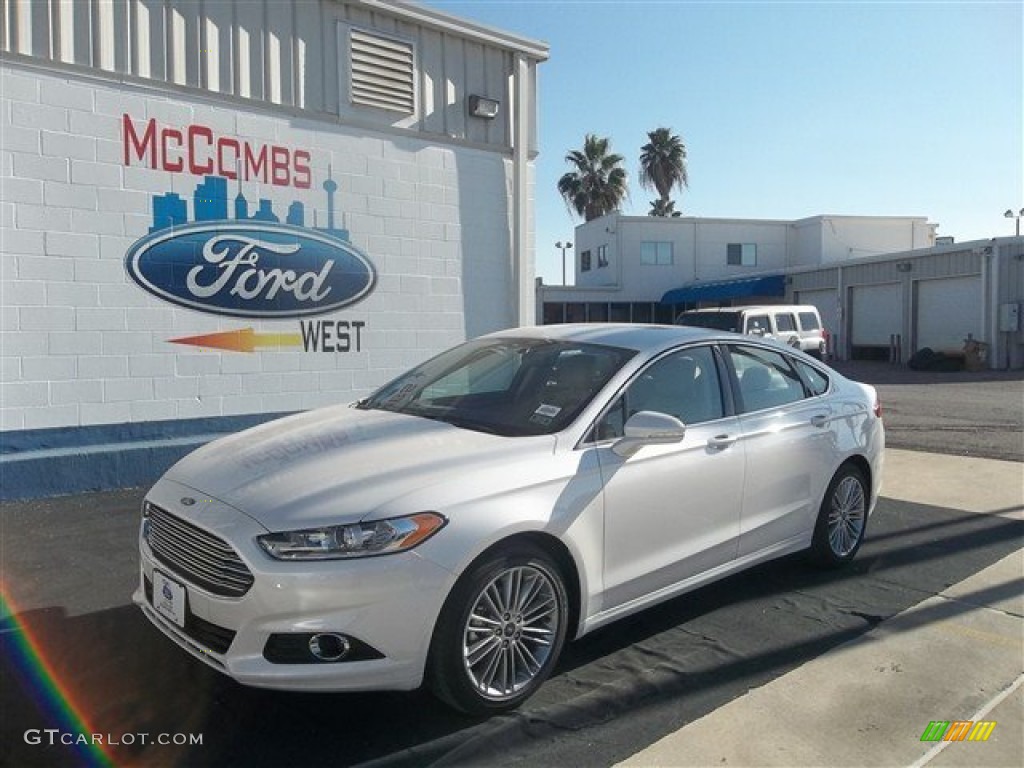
<point x="623" y="686"/>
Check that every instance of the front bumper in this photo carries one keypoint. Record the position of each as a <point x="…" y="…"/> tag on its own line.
<point x="388" y="603"/>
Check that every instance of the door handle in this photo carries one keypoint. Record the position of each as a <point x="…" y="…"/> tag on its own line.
<point x="820" y="420"/>
<point x="721" y="442"/>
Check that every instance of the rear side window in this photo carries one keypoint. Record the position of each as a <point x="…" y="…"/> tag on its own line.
<point x="785" y="323"/>
<point x="817" y="382"/>
<point x="809" y="321"/>
<point x="766" y="378"/>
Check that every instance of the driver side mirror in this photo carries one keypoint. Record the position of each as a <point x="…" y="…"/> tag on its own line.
<point x="648" y="428"/>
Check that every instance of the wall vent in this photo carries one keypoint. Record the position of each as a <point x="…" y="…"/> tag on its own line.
<point x="382" y="73"/>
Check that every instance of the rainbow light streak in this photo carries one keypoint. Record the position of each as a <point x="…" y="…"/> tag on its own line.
<point x="38" y="678"/>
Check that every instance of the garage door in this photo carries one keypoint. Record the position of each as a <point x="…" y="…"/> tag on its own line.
<point x="876" y="312"/>
<point x="947" y="310"/>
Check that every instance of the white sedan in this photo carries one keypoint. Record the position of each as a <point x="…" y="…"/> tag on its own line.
<point x="458" y="525"/>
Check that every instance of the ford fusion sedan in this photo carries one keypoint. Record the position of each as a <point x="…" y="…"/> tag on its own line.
<point x="459" y="525"/>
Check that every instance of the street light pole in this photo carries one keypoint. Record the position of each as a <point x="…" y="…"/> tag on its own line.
<point x="1017" y="216"/>
<point x="564" y="246"/>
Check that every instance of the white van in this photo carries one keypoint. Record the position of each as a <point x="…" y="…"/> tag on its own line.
<point x="798" y="325"/>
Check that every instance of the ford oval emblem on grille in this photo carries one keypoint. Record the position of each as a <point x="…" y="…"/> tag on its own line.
<point x="187" y="501"/>
<point x="251" y="269"/>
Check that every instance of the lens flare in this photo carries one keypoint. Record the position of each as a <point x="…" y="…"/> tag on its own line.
<point x="38" y="678"/>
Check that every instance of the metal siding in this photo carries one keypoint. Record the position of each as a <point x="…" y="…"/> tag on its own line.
<point x="454" y="102"/>
<point x="310" y="79"/>
<point x="268" y="50"/>
<point x="431" y="81"/>
<point x="813" y="281"/>
<point x="218" y="52"/>
<point x="475" y="83"/>
<point x="280" y="62"/>
<point x="496" y="87"/>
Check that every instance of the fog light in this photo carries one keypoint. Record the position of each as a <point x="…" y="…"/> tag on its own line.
<point x="329" y="646"/>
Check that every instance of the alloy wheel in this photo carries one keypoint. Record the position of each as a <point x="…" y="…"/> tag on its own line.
<point x="510" y="631"/>
<point x="846" y="516"/>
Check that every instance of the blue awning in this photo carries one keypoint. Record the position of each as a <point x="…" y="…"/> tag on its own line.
<point x="720" y="290"/>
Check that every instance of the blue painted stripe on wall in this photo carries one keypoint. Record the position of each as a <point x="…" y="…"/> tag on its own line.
<point x="52" y="462"/>
<point x="65" y="437"/>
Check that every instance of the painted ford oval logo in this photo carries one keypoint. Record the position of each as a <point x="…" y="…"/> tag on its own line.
<point x="252" y="270"/>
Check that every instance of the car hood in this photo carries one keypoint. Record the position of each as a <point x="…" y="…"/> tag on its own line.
<point x="338" y="465"/>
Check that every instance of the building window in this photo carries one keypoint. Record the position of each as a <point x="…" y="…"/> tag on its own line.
<point x="741" y="254"/>
<point x="584" y="261"/>
<point x="656" y="254"/>
<point x="602" y="256"/>
<point x="382" y="72"/>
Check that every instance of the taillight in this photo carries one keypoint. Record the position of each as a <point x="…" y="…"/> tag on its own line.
<point x="878" y="407"/>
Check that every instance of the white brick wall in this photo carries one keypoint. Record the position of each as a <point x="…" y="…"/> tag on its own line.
<point x="81" y="344"/>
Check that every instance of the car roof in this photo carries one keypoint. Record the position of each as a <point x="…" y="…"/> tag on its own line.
<point x="626" y="335"/>
<point x="755" y="308"/>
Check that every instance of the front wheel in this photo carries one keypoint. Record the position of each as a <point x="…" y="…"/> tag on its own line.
<point x="842" y="518"/>
<point x="500" y="632"/>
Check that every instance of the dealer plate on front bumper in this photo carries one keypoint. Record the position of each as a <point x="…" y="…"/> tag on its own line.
<point x="169" y="598"/>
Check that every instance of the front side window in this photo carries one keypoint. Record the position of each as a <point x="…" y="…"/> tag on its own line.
<point x="656" y="253"/>
<point x="766" y="378"/>
<point x="509" y="387"/>
<point x="741" y="254"/>
<point x="683" y="384"/>
<point x="759" y="325"/>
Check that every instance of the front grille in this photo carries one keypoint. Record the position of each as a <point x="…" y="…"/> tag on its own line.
<point x="209" y="635"/>
<point x="197" y="555"/>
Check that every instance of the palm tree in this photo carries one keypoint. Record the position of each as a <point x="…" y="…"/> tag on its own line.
<point x="664" y="208"/>
<point x="597" y="185"/>
<point x="663" y="167"/>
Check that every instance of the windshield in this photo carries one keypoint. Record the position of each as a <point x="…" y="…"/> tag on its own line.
<point x="719" y="321"/>
<point x="508" y="387"/>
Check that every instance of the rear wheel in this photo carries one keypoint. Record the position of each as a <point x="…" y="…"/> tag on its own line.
<point x="500" y="632"/>
<point x="842" y="518"/>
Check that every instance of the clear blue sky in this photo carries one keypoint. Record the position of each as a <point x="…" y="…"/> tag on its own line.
<point x="787" y="110"/>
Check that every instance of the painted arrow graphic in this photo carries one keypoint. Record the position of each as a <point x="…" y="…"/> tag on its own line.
<point x="242" y="340"/>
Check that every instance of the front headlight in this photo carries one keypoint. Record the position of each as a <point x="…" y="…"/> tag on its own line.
<point x="378" y="537"/>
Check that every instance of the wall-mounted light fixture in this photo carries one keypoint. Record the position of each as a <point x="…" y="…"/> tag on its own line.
<point x="481" y="106"/>
<point x="904" y="266"/>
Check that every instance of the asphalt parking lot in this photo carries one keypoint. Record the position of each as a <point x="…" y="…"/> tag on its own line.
<point x="69" y="567"/>
<point x="959" y="413"/>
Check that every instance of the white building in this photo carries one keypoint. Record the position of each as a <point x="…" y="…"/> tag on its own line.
<point x="215" y="212"/>
<point x="879" y="282"/>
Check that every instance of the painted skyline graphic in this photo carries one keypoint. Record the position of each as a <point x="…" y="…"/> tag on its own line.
<point x="210" y="202"/>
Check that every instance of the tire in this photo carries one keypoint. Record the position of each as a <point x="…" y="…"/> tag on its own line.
<point x="842" y="518"/>
<point x="500" y="632"/>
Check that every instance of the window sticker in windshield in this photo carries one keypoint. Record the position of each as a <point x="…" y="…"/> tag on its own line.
<point x="405" y="394"/>
<point x="544" y="414"/>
